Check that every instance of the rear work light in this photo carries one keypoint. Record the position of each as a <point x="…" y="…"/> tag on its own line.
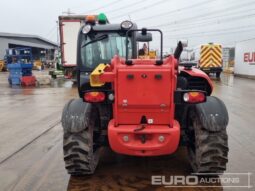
<point x="194" y="97"/>
<point x="126" y="25"/>
<point x="86" y="29"/>
<point x="94" y="97"/>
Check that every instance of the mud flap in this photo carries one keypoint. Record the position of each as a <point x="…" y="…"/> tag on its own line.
<point x="213" y="114"/>
<point x="74" y="115"/>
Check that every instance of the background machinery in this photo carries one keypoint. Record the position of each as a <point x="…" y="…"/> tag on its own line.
<point x="2" y="66"/>
<point x="139" y="107"/>
<point x="20" y="63"/>
<point x="38" y="65"/>
<point x="58" y="71"/>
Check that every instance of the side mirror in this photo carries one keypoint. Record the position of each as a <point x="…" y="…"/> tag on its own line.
<point x="143" y="37"/>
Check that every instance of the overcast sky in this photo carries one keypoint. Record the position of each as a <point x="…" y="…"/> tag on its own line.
<point x="198" y="21"/>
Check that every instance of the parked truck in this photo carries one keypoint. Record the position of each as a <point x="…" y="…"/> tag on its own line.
<point x="245" y="58"/>
<point x="69" y="27"/>
<point x="208" y="58"/>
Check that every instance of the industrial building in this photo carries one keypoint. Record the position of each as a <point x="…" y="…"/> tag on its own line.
<point x="41" y="47"/>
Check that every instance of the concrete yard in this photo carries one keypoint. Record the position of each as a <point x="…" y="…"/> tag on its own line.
<point x="31" y="155"/>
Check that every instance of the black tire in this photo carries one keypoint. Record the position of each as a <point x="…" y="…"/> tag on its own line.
<point x="81" y="151"/>
<point x="207" y="150"/>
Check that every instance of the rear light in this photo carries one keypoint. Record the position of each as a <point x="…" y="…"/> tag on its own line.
<point x="102" y="19"/>
<point x="94" y="96"/>
<point x="90" y="19"/>
<point x="194" y="97"/>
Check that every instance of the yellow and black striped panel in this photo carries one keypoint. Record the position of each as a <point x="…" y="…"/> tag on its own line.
<point x="210" y="56"/>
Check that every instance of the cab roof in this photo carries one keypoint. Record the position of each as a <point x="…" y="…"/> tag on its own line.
<point x="110" y="27"/>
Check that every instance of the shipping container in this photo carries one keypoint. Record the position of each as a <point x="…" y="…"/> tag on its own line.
<point x="245" y="58"/>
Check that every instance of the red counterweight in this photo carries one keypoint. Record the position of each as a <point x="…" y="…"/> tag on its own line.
<point x="143" y="121"/>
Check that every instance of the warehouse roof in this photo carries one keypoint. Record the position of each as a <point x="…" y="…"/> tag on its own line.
<point x="29" y="38"/>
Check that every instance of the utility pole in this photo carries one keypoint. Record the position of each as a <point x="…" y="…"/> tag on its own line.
<point x="68" y="12"/>
<point x="57" y="32"/>
<point x="57" y="51"/>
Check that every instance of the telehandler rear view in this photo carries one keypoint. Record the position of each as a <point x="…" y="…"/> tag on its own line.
<point x="139" y="107"/>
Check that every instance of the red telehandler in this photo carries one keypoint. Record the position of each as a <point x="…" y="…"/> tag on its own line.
<point x="140" y="107"/>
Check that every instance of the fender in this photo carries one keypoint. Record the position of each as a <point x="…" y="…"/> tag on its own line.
<point x="74" y="116"/>
<point x="198" y="73"/>
<point x="213" y="114"/>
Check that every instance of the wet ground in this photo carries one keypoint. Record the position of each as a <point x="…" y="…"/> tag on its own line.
<point x="31" y="143"/>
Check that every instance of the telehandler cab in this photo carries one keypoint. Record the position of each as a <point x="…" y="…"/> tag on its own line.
<point x="140" y="107"/>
